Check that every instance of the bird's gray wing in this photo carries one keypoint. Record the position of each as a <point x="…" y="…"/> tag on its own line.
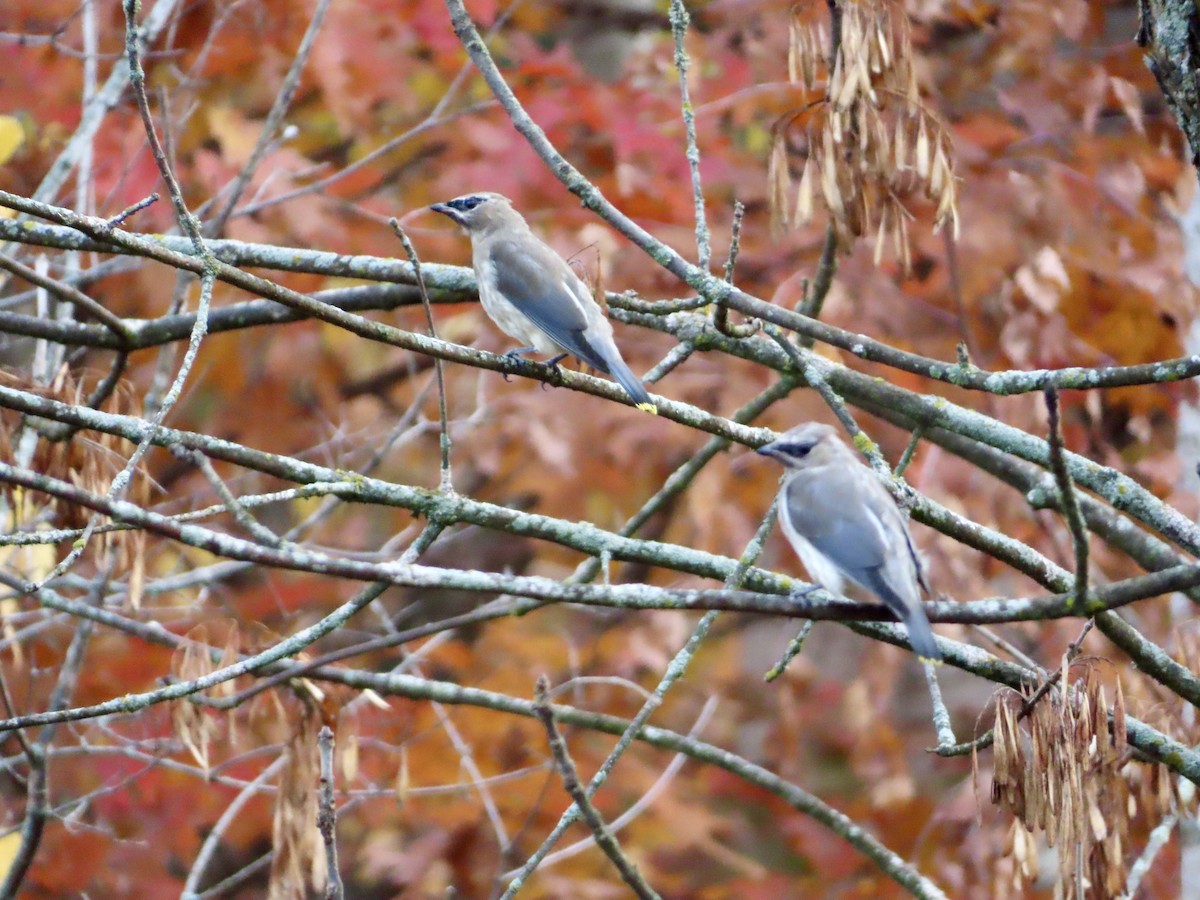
<point x="538" y="283"/>
<point x="857" y="526"/>
<point x="826" y="507"/>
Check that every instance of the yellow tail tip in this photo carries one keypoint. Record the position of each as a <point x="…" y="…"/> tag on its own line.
<point x="648" y="407"/>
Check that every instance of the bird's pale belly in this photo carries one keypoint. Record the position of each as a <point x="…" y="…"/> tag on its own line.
<point x="516" y="325"/>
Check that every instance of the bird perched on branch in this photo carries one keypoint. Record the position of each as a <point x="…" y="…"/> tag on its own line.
<point x="843" y="523"/>
<point x="530" y="292"/>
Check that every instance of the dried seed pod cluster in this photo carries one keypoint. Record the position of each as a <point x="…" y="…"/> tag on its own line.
<point x="869" y="144"/>
<point x="1067" y="773"/>
<point x="90" y="464"/>
<point x="292" y="714"/>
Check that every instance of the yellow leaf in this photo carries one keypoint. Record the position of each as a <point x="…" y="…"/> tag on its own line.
<point x="12" y="136"/>
<point x="236" y="135"/>
<point x="9" y="845"/>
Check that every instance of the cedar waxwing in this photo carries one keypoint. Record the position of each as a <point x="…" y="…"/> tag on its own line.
<point x="530" y="292"/>
<point x="843" y="523"/>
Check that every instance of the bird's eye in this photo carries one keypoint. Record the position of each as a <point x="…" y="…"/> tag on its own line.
<point x="466" y="204"/>
<point x="799" y="451"/>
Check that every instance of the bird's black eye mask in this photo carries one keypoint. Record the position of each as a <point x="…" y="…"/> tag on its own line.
<point x="797" y="449"/>
<point x="791" y="450"/>
<point x="465" y="204"/>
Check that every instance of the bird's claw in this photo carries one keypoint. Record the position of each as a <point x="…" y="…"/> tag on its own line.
<point x="800" y="592"/>
<point x="516" y="353"/>
<point x="552" y="365"/>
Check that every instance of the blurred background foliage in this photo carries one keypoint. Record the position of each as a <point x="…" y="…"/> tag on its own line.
<point x="1072" y="173"/>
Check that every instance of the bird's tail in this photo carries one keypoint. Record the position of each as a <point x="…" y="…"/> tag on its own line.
<point x="631" y="383"/>
<point x="920" y="635"/>
<point x="910" y="612"/>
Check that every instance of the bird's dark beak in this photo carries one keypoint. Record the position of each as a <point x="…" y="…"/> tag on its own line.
<point x="744" y="462"/>
<point x="771" y="449"/>
<point x="449" y="211"/>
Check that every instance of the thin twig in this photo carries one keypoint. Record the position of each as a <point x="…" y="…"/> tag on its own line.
<point x="985" y="740"/>
<point x="721" y="311"/>
<point x="735" y="239"/>
<point x="225" y="886"/>
<point x="1067" y="498"/>
<point x="212" y="841"/>
<point x="578" y="535"/>
<point x="1009" y="647"/>
<point x="103" y="101"/>
<point x="604" y="838"/>
<point x="1154" y="843"/>
<point x="283" y="101"/>
<point x="327" y="816"/>
<point x="956" y="291"/>
<point x="676" y="356"/>
<point x="680" y="20"/>
<point x="447" y="482"/>
<point x="359" y="600"/>
<point x="251" y="501"/>
<point x="644" y="802"/>
<point x="239" y="512"/>
<point x="71" y="295"/>
<point x="795" y="645"/>
<point x="456" y="284"/>
<point x="37" y="806"/>
<point x="131" y="210"/>
<point x="463" y="748"/>
<point x="818" y="290"/>
<point x="679" y="480"/>
<point x="137" y="81"/>
<point x="910" y="451"/>
<point x="191" y="228"/>
<point x="673" y="673"/>
<point x="941" y="715"/>
<point x="123" y="478"/>
<point x="436" y="117"/>
<point x="813" y="377"/>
